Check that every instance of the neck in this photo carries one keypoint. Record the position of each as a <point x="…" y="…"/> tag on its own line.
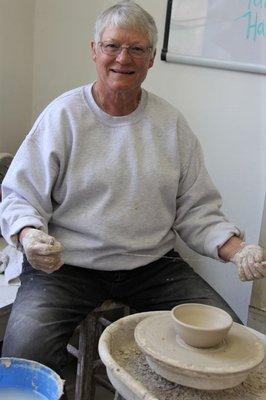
<point x="116" y="103"/>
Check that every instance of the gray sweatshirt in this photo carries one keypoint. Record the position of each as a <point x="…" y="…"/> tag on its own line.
<point x="112" y="188"/>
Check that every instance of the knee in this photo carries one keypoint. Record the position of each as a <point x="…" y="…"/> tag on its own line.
<point x="36" y="345"/>
<point x="19" y="344"/>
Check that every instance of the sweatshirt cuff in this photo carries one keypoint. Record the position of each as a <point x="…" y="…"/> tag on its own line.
<point x="17" y="226"/>
<point x="218" y="236"/>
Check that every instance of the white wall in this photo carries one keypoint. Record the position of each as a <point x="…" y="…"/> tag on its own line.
<point x="225" y="110"/>
<point x="16" y="68"/>
<point x="61" y="48"/>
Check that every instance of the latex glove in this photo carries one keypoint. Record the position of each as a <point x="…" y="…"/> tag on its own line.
<point x="249" y="262"/>
<point x="43" y="251"/>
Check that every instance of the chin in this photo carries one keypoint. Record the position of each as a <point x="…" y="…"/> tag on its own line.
<point x="121" y="86"/>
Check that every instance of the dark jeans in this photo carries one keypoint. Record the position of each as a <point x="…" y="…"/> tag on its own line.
<point x="48" y="307"/>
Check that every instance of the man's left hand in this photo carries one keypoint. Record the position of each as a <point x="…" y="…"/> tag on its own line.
<point x="249" y="262"/>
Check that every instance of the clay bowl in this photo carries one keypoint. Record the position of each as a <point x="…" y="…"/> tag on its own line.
<point x="200" y="325"/>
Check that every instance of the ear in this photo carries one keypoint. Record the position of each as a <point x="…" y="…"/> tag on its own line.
<point x="93" y="50"/>
<point x="152" y="59"/>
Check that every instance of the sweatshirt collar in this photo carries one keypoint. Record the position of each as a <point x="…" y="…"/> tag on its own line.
<point x="111" y="120"/>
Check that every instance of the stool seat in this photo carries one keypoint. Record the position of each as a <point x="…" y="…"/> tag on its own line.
<point x="88" y="361"/>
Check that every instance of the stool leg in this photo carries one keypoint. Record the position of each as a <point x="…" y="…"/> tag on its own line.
<point x="88" y="343"/>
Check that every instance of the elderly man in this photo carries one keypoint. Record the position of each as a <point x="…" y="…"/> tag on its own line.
<point x="107" y="177"/>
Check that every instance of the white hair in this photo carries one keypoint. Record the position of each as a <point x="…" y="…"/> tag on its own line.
<point x="127" y="14"/>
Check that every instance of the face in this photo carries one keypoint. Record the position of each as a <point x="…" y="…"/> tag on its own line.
<point x="123" y="72"/>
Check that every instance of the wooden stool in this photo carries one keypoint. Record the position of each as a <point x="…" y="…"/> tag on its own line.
<point x="88" y="361"/>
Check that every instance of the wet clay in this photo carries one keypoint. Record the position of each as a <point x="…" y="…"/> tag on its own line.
<point x="134" y="362"/>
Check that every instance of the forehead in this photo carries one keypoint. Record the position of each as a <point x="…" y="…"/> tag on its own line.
<point x="124" y="35"/>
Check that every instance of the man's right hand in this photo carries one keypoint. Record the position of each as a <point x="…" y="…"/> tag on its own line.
<point x="43" y="251"/>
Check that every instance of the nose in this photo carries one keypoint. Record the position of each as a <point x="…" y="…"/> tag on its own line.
<point x="123" y="56"/>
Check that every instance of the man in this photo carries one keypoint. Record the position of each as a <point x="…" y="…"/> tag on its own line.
<point x="107" y="177"/>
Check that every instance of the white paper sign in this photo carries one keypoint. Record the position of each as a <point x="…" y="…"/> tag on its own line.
<point x="227" y="34"/>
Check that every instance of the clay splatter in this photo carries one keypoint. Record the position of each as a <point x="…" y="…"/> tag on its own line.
<point x="134" y="362"/>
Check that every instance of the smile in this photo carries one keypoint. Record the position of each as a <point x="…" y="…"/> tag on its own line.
<point x="122" y="72"/>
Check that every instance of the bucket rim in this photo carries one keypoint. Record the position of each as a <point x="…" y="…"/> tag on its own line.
<point x="8" y="361"/>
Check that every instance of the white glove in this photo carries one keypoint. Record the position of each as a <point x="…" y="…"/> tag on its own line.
<point x="43" y="251"/>
<point x="249" y="262"/>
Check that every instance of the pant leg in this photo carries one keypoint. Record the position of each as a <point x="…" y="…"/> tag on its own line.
<point x="47" y="309"/>
<point x="165" y="283"/>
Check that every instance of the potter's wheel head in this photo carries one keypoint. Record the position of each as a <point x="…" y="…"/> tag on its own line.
<point x="227" y="364"/>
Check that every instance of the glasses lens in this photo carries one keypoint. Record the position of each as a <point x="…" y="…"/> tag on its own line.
<point x="113" y="49"/>
<point x="138" y="51"/>
<point x="110" y="48"/>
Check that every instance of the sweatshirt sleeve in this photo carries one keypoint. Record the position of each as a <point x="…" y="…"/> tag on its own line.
<point x="28" y="184"/>
<point x="199" y="220"/>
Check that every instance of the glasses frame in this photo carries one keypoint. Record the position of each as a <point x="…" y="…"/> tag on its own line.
<point x="148" y="50"/>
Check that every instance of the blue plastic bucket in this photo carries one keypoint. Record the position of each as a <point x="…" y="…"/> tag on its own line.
<point x="32" y="379"/>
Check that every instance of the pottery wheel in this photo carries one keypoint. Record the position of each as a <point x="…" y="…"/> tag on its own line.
<point x="227" y="364"/>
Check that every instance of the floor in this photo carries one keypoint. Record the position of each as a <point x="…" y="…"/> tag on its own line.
<point x="257" y="319"/>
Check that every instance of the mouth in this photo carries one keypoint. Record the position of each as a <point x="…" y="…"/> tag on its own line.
<point x="121" y="71"/>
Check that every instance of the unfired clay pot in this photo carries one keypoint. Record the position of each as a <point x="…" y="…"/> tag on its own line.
<point x="201" y="325"/>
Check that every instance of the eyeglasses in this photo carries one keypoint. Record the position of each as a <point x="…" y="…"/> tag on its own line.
<point x="134" y="50"/>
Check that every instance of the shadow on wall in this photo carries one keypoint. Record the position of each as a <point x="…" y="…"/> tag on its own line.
<point x="5" y="161"/>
